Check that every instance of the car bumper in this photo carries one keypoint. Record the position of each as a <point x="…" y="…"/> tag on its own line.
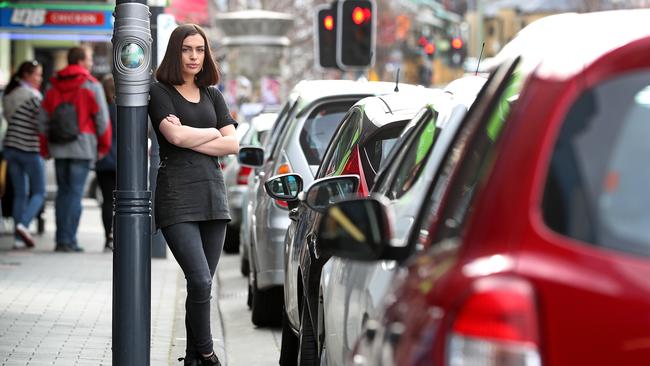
<point x="269" y="258"/>
<point x="268" y="279"/>
<point x="235" y="202"/>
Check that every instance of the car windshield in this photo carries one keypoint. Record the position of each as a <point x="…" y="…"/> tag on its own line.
<point x="377" y="148"/>
<point x="319" y="128"/>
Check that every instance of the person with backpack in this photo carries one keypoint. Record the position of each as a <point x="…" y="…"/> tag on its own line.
<point x="21" y="101"/>
<point x="76" y="131"/>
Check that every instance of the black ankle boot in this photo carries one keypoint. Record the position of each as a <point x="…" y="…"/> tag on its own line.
<point x="212" y="360"/>
<point x="191" y="359"/>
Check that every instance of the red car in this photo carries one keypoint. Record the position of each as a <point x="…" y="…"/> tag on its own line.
<point x="533" y="246"/>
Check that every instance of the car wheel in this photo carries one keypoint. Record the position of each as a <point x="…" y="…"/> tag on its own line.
<point x="249" y="298"/>
<point x="307" y="352"/>
<point x="244" y="267"/>
<point x="323" y="354"/>
<point x="231" y="244"/>
<point x="266" y="305"/>
<point x="289" y="346"/>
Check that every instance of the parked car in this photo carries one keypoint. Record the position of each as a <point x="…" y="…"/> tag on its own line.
<point x="532" y="245"/>
<point x="360" y="147"/>
<point x="297" y="143"/>
<point x="236" y="176"/>
<point x="352" y="292"/>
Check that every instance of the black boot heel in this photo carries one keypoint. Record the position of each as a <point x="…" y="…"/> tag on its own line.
<point x="211" y="360"/>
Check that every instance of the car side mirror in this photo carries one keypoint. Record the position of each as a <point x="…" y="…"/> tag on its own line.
<point x="251" y="156"/>
<point x="284" y="187"/>
<point x="325" y="191"/>
<point x="357" y="229"/>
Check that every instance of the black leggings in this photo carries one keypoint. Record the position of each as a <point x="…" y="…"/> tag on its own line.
<point x="197" y="247"/>
<point x="106" y="181"/>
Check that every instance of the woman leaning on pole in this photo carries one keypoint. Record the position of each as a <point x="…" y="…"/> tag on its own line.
<point x="193" y="127"/>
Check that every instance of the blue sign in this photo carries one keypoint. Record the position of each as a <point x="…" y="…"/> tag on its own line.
<point x="27" y="19"/>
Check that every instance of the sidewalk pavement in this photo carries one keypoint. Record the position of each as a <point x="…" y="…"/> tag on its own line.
<point x="55" y="308"/>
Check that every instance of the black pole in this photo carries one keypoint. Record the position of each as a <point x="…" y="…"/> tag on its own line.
<point x="132" y="241"/>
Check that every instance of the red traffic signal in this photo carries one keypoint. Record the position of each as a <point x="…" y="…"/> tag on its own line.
<point x="328" y="23"/>
<point x="429" y="49"/>
<point x="457" y="43"/>
<point x="361" y="15"/>
<point x="325" y="40"/>
<point x="355" y="33"/>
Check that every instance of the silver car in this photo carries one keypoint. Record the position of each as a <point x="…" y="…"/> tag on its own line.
<point x="297" y="144"/>
<point x="236" y="176"/>
<point x="353" y="292"/>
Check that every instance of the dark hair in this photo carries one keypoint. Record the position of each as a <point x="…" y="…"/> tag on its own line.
<point x="169" y="70"/>
<point x="26" y="68"/>
<point x="76" y="55"/>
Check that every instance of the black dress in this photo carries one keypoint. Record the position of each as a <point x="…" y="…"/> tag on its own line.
<point x="190" y="185"/>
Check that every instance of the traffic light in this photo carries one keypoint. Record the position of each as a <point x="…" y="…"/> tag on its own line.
<point x="457" y="52"/>
<point x="325" y="27"/>
<point x="356" y="34"/>
<point x="429" y="48"/>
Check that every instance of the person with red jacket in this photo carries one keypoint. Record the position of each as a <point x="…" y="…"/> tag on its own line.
<point x="91" y="140"/>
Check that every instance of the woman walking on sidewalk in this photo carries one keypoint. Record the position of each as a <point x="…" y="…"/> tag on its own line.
<point x="106" y="168"/>
<point x="193" y="127"/>
<point x="21" y="102"/>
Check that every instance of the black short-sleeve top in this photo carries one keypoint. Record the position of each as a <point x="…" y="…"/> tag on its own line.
<point x="190" y="185"/>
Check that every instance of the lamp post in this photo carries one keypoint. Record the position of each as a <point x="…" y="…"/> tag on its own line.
<point x="132" y="239"/>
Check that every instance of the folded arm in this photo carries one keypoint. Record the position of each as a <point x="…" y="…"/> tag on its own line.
<point x="186" y="136"/>
<point x="227" y="144"/>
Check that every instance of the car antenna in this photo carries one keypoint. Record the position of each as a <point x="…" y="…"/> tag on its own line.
<point x="397" y="81"/>
<point x="479" y="58"/>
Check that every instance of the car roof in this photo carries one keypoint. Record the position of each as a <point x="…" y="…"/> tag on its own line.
<point x="381" y="110"/>
<point x="310" y="90"/>
<point x="561" y="46"/>
<point x="264" y="121"/>
<point x="465" y="89"/>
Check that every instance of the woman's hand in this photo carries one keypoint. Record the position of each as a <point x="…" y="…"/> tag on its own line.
<point x="173" y="120"/>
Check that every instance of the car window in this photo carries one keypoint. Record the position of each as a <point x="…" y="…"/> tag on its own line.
<point x="468" y="159"/>
<point x="318" y="129"/>
<point x="281" y="126"/>
<point x="261" y="137"/>
<point x="415" y="156"/>
<point x="386" y="173"/>
<point x="341" y="148"/>
<point x="596" y="188"/>
<point x="377" y="148"/>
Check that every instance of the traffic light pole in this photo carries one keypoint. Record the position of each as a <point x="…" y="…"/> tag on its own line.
<point x="132" y="239"/>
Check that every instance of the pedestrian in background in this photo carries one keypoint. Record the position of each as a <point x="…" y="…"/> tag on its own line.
<point x="193" y="127"/>
<point x="106" y="168"/>
<point x="21" y="102"/>
<point x="76" y="125"/>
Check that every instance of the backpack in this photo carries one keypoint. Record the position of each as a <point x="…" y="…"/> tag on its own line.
<point x="64" y="125"/>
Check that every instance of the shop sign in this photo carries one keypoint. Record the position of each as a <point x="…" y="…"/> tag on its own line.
<point x="21" y="18"/>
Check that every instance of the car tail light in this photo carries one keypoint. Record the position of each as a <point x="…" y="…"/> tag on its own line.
<point x="283" y="168"/>
<point x="353" y="166"/>
<point x="242" y="176"/>
<point x="497" y="325"/>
